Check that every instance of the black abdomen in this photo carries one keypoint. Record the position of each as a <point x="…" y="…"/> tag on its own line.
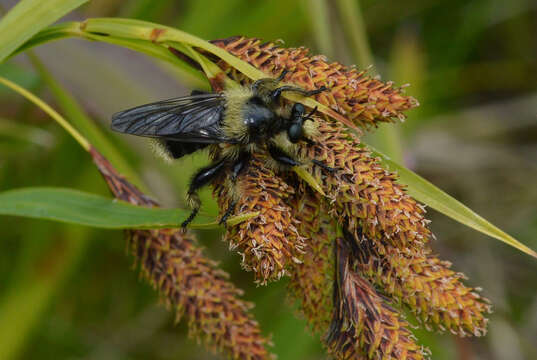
<point x="179" y="149"/>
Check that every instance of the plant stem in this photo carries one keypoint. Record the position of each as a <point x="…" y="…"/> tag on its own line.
<point x="354" y="28"/>
<point x="319" y="16"/>
<point x="50" y="111"/>
<point x="387" y="137"/>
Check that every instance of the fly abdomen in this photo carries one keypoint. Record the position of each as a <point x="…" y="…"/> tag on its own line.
<point x="179" y="149"/>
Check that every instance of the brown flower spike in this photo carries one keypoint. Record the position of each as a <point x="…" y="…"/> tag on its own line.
<point x="392" y="234"/>
<point x="427" y="285"/>
<point x="360" y="98"/>
<point x="312" y="280"/>
<point x="189" y="282"/>
<point x="386" y="240"/>
<point x="269" y="242"/>
<point x="364" y="325"/>
<point x="363" y="195"/>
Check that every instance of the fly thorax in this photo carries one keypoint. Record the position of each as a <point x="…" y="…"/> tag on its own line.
<point x="260" y="121"/>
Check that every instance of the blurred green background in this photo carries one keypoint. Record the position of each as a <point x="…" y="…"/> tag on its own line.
<point x="68" y="292"/>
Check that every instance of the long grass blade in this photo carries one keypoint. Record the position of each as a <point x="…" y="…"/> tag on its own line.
<point x="27" y="18"/>
<point x="422" y="190"/>
<point x="77" y="207"/>
<point x="49" y="110"/>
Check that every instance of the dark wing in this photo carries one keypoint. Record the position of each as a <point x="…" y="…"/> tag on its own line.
<point x="195" y="118"/>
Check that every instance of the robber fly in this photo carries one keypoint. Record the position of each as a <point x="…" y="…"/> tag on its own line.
<point x="238" y="121"/>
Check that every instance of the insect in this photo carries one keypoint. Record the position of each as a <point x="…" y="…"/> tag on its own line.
<point x="235" y="122"/>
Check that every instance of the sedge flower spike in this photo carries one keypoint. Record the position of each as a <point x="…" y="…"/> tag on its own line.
<point x="362" y="99"/>
<point x="269" y="242"/>
<point x="364" y="325"/>
<point x="354" y="244"/>
<point x="188" y="282"/>
<point x="360" y="253"/>
<point x="312" y="279"/>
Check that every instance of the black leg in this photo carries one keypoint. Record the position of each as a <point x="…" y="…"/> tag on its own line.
<point x="308" y="117"/>
<point x="316" y="91"/>
<point x="322" y="165"/>
<point x="280" y="156"/>
<point x="228" y="213"/>
<point x="277" y="92"/>
<point x="200" y="179"/>
<point x="190" y="217"/>
<point x="239" y="166"/>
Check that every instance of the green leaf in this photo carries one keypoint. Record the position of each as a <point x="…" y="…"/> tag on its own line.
<point x="52" y="33"/>
<point x="190" y="75"/>
<point x="422" y="190"/>
<point x="143" y="30"/>
<point x="187" y="73"/>
<point x="76" y="207"/>
<point x="27" y="18"/>
<point x="121" y="29"/>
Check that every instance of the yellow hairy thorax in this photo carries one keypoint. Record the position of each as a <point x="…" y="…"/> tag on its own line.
<point x="233" y="126"/>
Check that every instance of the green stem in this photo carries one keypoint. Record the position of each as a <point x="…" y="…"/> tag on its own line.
<point x="354" y="28"/>
<point x="387" y="137"/>
<point x="50" y="111"/>
<point x="319" y="16"/>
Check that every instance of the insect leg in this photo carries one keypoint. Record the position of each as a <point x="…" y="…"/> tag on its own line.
<point x="240" y="164"/>
<point x="322" y="165"/>
<point x="277" y="92"/>
<point x="229" y="211"/>
<point x="280" y="156"/>
<point x="201" y="178"/>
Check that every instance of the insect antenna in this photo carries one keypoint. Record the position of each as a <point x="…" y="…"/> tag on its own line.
<point x="310" y="114"/>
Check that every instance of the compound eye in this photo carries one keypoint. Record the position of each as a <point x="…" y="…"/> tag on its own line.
<point x="295" y="133"/>
<point x="298" y="110"/>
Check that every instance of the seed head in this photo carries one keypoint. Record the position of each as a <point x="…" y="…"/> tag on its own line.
<point x="269" y="242"/>
<point x="364" y="326"/>
<point x="362" y="99"/>
<point x="427" y="285"/>
<point x="189" y="282"/>
<point x="312" y="279"/>
<point x="365" y="197"/>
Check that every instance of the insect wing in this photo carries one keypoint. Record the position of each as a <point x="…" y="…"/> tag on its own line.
<point x="194" y="118"/>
